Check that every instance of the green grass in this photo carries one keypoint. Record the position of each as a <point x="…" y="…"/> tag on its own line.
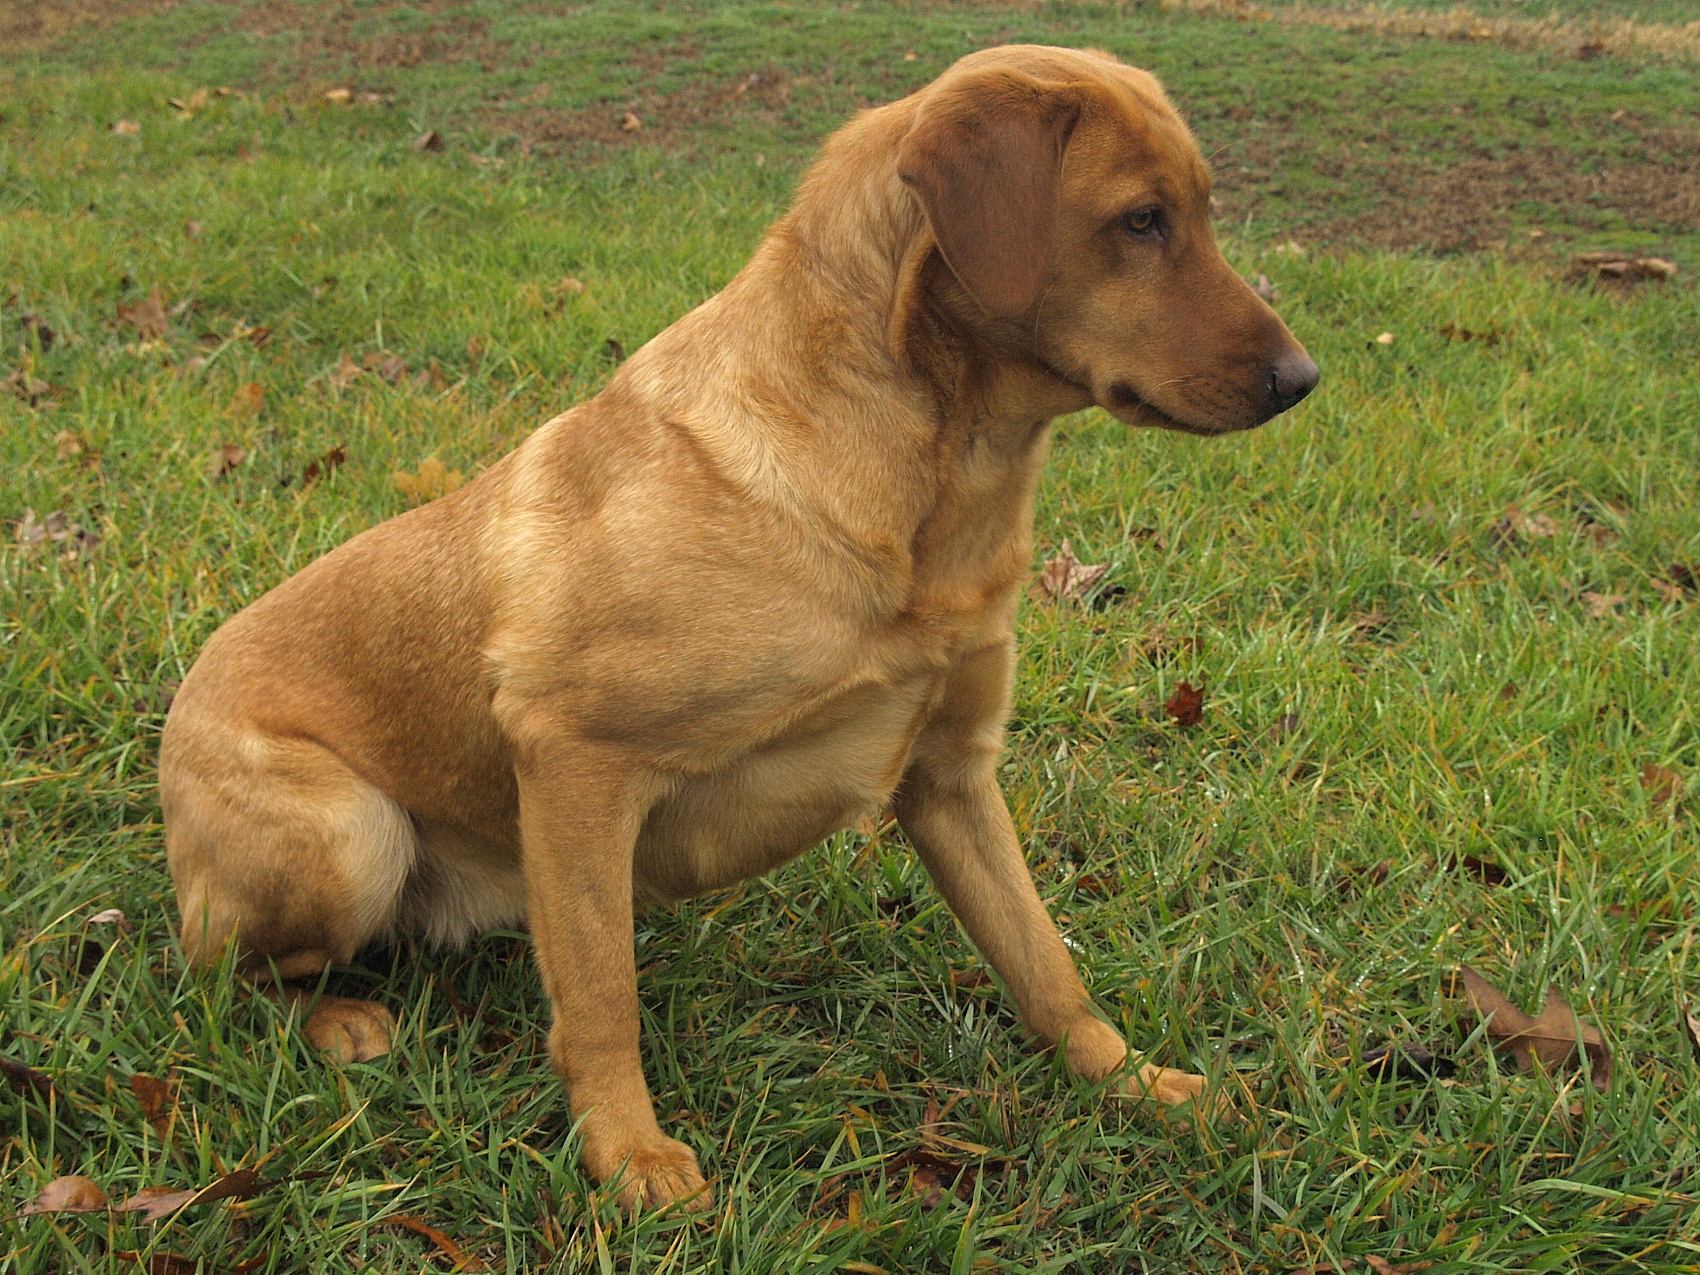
<point x="1390" y="684"/>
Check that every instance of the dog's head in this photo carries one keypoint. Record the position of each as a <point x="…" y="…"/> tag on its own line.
<point x="1069" y="201"/>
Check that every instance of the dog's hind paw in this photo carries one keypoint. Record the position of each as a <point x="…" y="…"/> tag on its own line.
<point x="350" y="1030"/>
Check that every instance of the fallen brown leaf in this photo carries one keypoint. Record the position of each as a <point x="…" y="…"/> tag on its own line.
<point x="158" y="1263"/>
<point x="1452" y="332"/>
<point x="248" y="401"/>
<point x="188" y="105"/>
<point x="155" y="1202"/>
<point x="347" y="372"/>
<point x="969" y="979"/>
<point x="67" y="443"/>
<point x="432" y="480"/>
<point x="111" y="916"/>
<point x="614" y="350"/>
<point x="475" y="347"/>
<point x="1621" y="267"/>
<point x="35" y="331"/>
<point x="258" y="337"/>
<point x="928" y="1175"/>
<point x="392" y="369"/>
<point x="1268" y="291"/>
<point x="632" y="124"/>
<point x="1662" y="786"/>
<point x="1669" y="592"/>
<point x="430" y="140"/>
<point x="155" y="1097"/>
<point x="568" y="286"/>
<point x="1691" y="1029"/>
<point x="30" y="388"/>
<point x="1685" y="576"/>
<point x="1186" y="705"/>
<point x="147" y="316"/>
<point x="463" y="1260"/>
<point x="1381" y="1266"/>
<point x="226" y="459"/>
<point x="1483" y="870"/>
<point x="192" y="229"/>
<point x="55" y="529"/>
<point x="339" y="97"/>
<point x="1550" y="1039"/>
<point x="126" y="128"/>
<point x="1065" y="578"/>
<point x="1284" y="725"/>
<point x="1601" y="605"/>
<point x="70" y="1194"/>
<point x="321" y="468"/>
<point x="1161" y="647"/>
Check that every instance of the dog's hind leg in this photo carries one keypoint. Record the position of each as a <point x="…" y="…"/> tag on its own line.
<point x="277" y="846"/>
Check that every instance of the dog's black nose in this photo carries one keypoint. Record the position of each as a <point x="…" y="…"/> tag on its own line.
<point x="1291" y="377"/>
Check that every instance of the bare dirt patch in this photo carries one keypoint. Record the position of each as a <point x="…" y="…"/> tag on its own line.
<point x="30" y="26"/>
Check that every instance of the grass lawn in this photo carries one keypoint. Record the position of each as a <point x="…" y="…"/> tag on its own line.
<point x="1443" y="616"/>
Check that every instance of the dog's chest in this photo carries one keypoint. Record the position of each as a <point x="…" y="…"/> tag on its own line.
<point x="776" y="801"/>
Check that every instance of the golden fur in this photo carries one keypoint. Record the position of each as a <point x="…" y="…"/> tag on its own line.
<point x="763" y="584"/>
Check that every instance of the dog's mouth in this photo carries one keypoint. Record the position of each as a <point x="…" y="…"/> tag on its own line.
<point x="1128" y="407"/>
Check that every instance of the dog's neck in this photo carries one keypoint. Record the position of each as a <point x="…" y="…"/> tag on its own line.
<point x="846" y="350"/>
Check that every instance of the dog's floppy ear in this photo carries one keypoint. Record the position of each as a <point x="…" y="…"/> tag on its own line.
<point x="984" y="157"/>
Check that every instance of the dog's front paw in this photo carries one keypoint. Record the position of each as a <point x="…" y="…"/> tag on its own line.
<point x="349" y="1030"/>
<point x="656" y="1172"/>
<point x="1165" y="1085"/>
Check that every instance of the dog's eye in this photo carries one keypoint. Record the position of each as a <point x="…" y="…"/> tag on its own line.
<point x="1143" y="221"/>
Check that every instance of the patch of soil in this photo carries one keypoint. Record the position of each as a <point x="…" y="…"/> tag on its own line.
<point x="32" y="26"/>
<point x="1473" y="201"/>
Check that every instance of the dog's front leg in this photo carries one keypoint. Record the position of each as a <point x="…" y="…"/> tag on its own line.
<point x="580" y="812"/>
<point x="952" y="809"/>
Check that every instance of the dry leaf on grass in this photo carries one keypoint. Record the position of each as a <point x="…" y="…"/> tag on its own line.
<point x="157" y="1102"/>
<point x="225" y="459"/>
<point x="1452" y="332"/>
<point x="1386" y="338"/>
<point x="347" y="372"/>
<point x="431" y="140"/>
<point x="248" y="401"/>
<point x="1601" y="605"/>
<point x="614" y="350"/>
<point x="432" y="480"/>
<point x="632" y="124"/>
<point x="159" y="1263"/>
<point x="55" y="529"/>
<point x="126" y="128"/>
<point x="155" y="1202"/>
<point x="335" y="458"/>
<point x="1550" y="1039"/>
<point x="188" y="105"/>
<point x="463" y="1260"/>
<point x="1381" y="1266"/>
<point x="72" y="1193"/>
<point x="1662" y="786"/>
<point x="147" y="316"/>
<point x="31" y="389"/>
<point x="1186" y="705"/>
<point x="111" y="916"/>
<point x="1483" y="870"/>
<point x="1621" y="268"/>
<point x="1268" y="291"/>
<point x="1065" y="578"/>
<point x="339" y="97"/>
<point x="34" y="331"/>
<point x="1517" y="525"/>
<point x="1691" y="1029"/>
<point x="27" y="1080"/>
<point x="67" y="443"/>
<point x="476" y="346"/>
<point x="568" y="286"/>
<point x="1406" y="1062"/>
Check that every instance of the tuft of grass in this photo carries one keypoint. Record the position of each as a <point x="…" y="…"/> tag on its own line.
<point x="1397" y="674"/>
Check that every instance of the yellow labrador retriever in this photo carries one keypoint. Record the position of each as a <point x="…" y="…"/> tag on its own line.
<point x="761" y="585"/>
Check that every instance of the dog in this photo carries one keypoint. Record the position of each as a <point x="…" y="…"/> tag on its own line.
<point x="763" y="584"/>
